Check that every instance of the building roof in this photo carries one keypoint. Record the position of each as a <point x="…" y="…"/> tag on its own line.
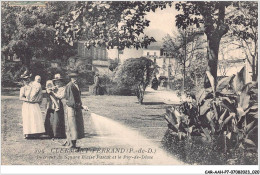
<point x="155" y="46"/>
<point x="232" y="61"/>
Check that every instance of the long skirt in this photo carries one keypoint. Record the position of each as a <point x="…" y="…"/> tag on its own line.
<point x="55" y="123"/>
<point x="75" y="124"/>
<point x="33" y="122"/>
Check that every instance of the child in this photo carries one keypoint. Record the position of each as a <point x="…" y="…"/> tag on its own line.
<point x="49" y="89"/>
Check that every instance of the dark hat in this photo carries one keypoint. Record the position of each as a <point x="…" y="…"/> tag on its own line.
<point x="57" y="77"/>
<point x="26" y="75"/>
<point x="73" y="74"/>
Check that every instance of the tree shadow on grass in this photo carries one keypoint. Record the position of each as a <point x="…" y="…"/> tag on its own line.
<point x="153" y="103"/>
<point x="150" y="117"/>
<point x="88" y="135"/>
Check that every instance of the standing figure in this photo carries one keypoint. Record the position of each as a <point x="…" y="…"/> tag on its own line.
<point x="31" y="95"/>
<point x="54" y="121"/>
<point x="155" y="83"/>
<point x="96" y="84"/>
<point x="74" y="118"/>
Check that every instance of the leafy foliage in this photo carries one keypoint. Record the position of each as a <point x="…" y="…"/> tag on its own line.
<point x="224" y="111"/>
<point x="244" y="31"/>
<point x="111" y="24"/>
<point x="29" y="32"/>
<point x="209" y="14"/>
<point x="10" y="74"/>
<point x="135" y="73"/>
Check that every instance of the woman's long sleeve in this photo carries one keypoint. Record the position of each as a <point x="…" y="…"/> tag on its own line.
<point x="22" y="94"/>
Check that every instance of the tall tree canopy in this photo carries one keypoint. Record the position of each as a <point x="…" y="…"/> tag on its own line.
<point x="244" y="31"/>
<point x="29" y="31"/>
<point x="108" y="23"/>
<point x="211" y="16"/>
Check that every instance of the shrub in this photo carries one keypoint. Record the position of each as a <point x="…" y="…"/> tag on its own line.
<point x="108" y="86"/>
<point x="10" y="74"/>
<point x="228" y="110"/>
<point x="134" y="74"/>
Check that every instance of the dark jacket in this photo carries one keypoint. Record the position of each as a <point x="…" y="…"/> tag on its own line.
<point x="74" y="118"/>
<point x="73" y="96"/>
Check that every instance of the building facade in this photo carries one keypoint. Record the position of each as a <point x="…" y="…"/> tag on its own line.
<point x="162" y="59"/>
<point x="96" y="58"/>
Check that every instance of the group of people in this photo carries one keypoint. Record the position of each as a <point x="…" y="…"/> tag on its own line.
<point x="34" y="124"/>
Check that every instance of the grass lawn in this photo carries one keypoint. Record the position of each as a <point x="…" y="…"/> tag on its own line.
<point x="145" y="119"/>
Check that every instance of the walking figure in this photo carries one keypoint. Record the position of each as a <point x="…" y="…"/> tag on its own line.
<point x="97" y="84"/>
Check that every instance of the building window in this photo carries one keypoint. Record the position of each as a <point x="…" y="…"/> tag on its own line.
<point x="148" y="53"/>
<point x="154" y="54"/>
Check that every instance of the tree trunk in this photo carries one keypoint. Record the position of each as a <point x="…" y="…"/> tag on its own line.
<point x="184" y="75"/>
<point x="196" y="81"/>
<point x="212" y="57"/>
<point x="27" y="63"/>
<point x="254" y="68"/>
<point x="140" y="93"/>
<point x="214" y="32"/>
<point x="184" y="62"/>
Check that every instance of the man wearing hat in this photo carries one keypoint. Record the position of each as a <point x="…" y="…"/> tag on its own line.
<point x="75" y="123"/>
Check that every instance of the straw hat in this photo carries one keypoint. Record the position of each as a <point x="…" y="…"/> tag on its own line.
<point x="57" y="77"/>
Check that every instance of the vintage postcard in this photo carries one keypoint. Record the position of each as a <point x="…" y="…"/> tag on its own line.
<point x="130" y="83"/>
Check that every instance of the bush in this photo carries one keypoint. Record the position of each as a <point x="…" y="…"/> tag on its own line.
<point x="134" y="74"/>
<point x="10" y="74"/>
<point x="177" y="84"/>
<point x="110" y="87"/>
<point x="228" y="110"/>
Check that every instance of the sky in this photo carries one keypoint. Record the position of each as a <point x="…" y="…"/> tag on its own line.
<point x="162" y="22"/>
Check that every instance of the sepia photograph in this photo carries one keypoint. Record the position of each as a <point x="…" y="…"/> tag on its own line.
<point x="129" y="83"/>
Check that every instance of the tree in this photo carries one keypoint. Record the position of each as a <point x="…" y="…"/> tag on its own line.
<point x="196" y="69"/>
<point x="108" y="23"/>
<point x="29" y="32"/>
<point x="185" y="46"/>
<point x="244" y="30"/>
<point x="135" y="73"/>
<point x="212" y="16"/>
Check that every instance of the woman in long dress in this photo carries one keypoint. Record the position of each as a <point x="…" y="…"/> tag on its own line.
<point x="31" y="95"/>
<point x="54" y="122"/>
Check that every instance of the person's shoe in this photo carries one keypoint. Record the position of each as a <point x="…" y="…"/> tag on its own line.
<point x="67" y="143"/>
<point x="74" y="147"/>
